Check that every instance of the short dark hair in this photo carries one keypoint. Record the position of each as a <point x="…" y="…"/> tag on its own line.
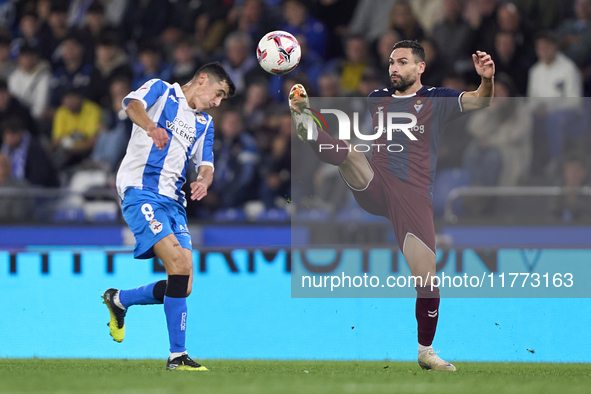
<point x="13" y="124"/>
<point x="216" y="71"/>
<point x="417" y="49"/>
<point x="547" y="36"/>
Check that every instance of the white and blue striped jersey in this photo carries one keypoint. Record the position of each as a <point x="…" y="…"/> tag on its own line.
<point x="191" y="138"/>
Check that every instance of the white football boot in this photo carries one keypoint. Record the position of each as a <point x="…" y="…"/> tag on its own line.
<point x="298" y="102"/>
<point x="430" y="360"/>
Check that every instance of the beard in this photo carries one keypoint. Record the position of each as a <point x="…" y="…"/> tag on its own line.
<point x="402" y="84"/>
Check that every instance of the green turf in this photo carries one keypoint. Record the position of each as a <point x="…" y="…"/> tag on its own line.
<point x="149" y="376"/>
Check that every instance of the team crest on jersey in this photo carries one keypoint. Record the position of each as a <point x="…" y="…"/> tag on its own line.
<point x="201" y="119"/>
<point x="155" y="226"/>
<point x="419" y="106"/>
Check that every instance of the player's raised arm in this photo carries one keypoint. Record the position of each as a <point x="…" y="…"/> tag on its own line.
<point x="138" y="115"/>
<point x="482" y="97"/>
<point x="200" y="186"/>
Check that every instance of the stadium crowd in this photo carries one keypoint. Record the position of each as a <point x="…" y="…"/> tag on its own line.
<point x="66" y="65"/>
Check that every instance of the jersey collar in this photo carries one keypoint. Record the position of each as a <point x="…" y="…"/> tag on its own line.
<point x="417" y="93"/>
<point x="181" y="96"/>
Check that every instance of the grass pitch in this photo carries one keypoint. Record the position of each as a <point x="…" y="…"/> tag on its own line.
<point x="150" y="376"/>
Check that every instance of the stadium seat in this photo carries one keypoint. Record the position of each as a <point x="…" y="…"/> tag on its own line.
<point x="273" y="215"/>
<point x="445" y="181"/>
<point x="230" y="215"/>
<point x="313" y="215"/>
<point x="69" y="215"/>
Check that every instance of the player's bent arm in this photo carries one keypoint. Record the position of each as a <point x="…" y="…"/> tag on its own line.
<point x="204" y="180"/>
<point x="480" y="98"/>
<point x="138" y="115"/>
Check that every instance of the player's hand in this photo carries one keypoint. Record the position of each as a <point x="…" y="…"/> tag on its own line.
<point x="198" y="190"/>
<point x="159" y="135"/>
<point x="485" y="66"/>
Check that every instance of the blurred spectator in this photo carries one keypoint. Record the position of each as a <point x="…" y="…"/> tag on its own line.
<point x="74" y="72"/>
<point x="12" y="208"/>
<point x="115" y="130"/>
<point x="329" y="85"/>
<point x="299" y="22"/>
<point x="428" y="13"/>
<point x="452" y="34"/>
<point x="210" y="24"/>
<point x="27" y="157"/>
<point x="275" y="167"/>
<point x="481" y="15"/>
<point x="555" y="76"/>
<point x="111" y="62"/>
<point x="575" y="173"/>
<point x="144" y="20"/>
<point x="114" y="11"/>
<point x="8" y="15"/>
<point x="150" y="66"/>
<point x="255" y="105"/>
<point x="501" y="151"/>
<point x="371" y="18"/>
<point x="185" y="63"/>
<point x="336" y="15"/>
<point x="384" y="48"/>
<point x="250" y="18"/>
<point x="78" y="11"/>
<point x="544" y="14"/>
<point x="404" y="22"/>
<point x="435" y="69"/>
<point x="7" y="65"/>
<point x="574" y="35"/>
<point x="510" y="61"/>
<point x="43" y="9"/>
<point x="75" y="127"/>
<point x="11" y="107"/>
<point x="510" y="20"/>
<point x="28" y="34"/>
<point x="51" y="35"/>
<point x="239" y="59"/>
<point x="236" y="162"/>
<point x="30" y="82"/>
<point x="351" y="67"/>
<point x="92" y="28"/>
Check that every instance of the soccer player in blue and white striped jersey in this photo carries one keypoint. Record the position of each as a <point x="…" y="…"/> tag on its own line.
<point x="170" y="130"/>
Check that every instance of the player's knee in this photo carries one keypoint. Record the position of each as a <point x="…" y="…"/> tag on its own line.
<point x="180" y="264"/>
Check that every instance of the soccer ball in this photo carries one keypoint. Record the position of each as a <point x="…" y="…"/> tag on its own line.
<point x="279" y="52"/>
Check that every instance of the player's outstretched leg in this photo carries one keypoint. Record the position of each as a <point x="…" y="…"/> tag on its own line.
<point x="352" y="164"/>
<point x="421" y="261"/>
<point x="119" y="300"/>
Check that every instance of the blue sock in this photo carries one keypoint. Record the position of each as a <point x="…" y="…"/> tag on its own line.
<point x="176" y="318"/>
<point x="143" y="295"/>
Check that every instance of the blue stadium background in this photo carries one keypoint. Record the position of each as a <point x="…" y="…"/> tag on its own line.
<point x="73" y="60"/>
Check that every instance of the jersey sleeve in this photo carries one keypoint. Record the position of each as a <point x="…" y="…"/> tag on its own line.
<point x="203" y="150"/>
<point x="452" y="103"/>
<point x="148" y="93"/>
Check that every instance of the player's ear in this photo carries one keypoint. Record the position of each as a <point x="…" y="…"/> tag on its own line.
<point x="202" y="78"/>
<point x="422" y="67"/>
